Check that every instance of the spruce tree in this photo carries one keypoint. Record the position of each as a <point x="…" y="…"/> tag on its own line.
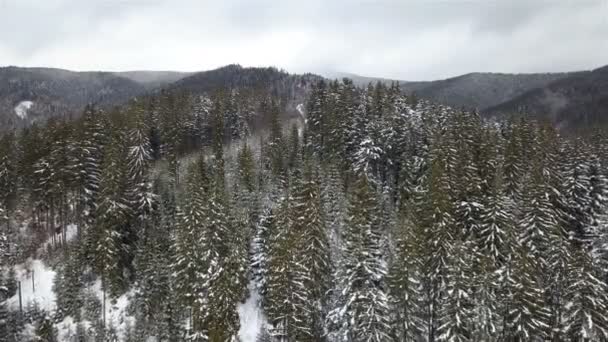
<point x="496" y="223"/>
<point x="365" y="311"/>
<point x="526" y="317"/>
<point x="586" y="294"/>
<point x="190" y="264"/>
<point x="405" y="282"/>
<point x="112" y="218"/>
<point x="312" y="256"/>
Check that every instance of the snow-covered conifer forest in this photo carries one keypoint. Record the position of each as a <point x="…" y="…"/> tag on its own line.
<point x="254" y="214"/>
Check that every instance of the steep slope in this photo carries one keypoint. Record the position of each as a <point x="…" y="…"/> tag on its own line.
<point x="580" y="100"/>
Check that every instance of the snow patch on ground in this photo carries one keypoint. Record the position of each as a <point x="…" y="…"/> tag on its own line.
<point x="71" y="230"/>
<point x="28" y="333"/>
<point x="22" y="108"/>
<point x="41" y="292"/>
<point x="116" y="310"/>
<point x="67" y="329"/>
<point x="300" y="109"/>
<point x="251" y="316"/>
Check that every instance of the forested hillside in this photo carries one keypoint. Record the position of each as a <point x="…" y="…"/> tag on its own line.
<point x="472" y="91"/>
<point x="379" y="217"/>
<point x="50" y="92"/>
<point x="29" y="95"/>
<point x="577" y="101"/>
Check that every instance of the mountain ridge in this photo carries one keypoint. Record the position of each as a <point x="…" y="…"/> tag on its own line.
<point x="61" y="92"/>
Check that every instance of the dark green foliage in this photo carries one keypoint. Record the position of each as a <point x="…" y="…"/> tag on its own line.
<point x="379" y="218"/>
<point x="45" y="330"/>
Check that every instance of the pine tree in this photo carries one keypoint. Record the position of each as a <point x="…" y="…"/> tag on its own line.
<point x="455" y="316"/>
<point x="67" y="284"/>
<point x="226" y="262"/>
<point x="89" y="163"/>
<point x="487" y="287"/>
<point x="154" y="295"/>
<point x="172" y="125"/>
<point x="112" y="224"/>
<point x="4" y="321"/>
<point x="280" y="275"/>
<point x="496" y="223"/>
<point x="265" y="229"/>
<point x="142" y="199"/>
<point x="404" y="282"/>
<point x="190" y="264"/>
<point x="312" y="256"/>
<point x="538" y="222"/>
<point x="365" y="314"/>
<point x="294" y="147"/>
<point x="264" y="336"/>
<point x="8" y="177"/>
<point x="276" y="143"/>
<point x="586" y="294"/>
<point x="434" y="216"/>
<point x="315" y="118"/>
<point x="226" y="257"/>
<point x="45" y="330"/>
<point x="514" y="168"/>
<point x="246" y="168"/>
<point x="526" y="317"/>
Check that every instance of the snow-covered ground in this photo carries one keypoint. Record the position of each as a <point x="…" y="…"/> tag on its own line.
<point x="251" y="316"/>
<point x="116" y="310"/>
<point x="70" y="233"/>
<point x="22" y="108"/>
<point x="116" y="315"/>
<point x="41" y="292"/>
<point x="67" y="329"/>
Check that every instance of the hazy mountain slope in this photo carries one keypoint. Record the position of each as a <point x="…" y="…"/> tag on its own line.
<point x="36" y="94"/>
<point x="364" y="81"/>
<point x="57" y="92"/>
<point x="479" y="90"/>
<point x="472" y="91"/>
<point x="154" y="79"/>
<point x="576" y="101"/>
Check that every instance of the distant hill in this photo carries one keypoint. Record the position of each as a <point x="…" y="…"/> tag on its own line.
<point x="236" y="76"/>
<point x="363" y="81"/>
<point x="154" y="79"/>
<point x="475" y="91"/>
<point x="35" y="94"/>
<point x="53" y="92"/>
<point x="579" y="100"/>
<point x="569" y="99"/>
<point x="479" y="91"/>
<point x="292" y="88"/>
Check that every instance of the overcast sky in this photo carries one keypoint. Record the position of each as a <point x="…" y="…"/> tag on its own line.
<point x="404" y="39"/>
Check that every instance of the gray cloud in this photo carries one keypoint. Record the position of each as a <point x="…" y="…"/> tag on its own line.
<point x="407" y="39"/>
